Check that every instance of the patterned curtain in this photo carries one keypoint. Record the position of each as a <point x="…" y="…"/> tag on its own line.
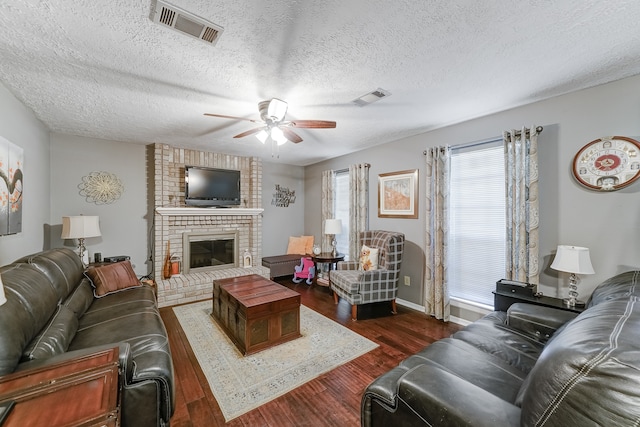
<point x="358" y="206"/>
<point x="437" y="194"/>
<point x="328" y="202"/>
<point x="521" y="174"/>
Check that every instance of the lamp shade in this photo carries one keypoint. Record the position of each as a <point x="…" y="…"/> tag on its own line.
<point x="572" y="259"/>
<point x="3" y="298"/>
<point x="80" y="227"/>
<point x="332" y="226"/>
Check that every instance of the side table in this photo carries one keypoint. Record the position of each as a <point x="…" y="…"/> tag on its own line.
<point x="325" y="258"/>
<point x="503" y="300"/>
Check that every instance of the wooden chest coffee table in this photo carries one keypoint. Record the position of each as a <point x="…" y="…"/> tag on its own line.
<point x="255" y="312"/>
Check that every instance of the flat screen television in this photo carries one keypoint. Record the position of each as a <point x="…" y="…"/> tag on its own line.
<point x="209" y="187"/>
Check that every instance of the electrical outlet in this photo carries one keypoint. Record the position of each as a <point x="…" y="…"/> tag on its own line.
<point x="407" y="281"/>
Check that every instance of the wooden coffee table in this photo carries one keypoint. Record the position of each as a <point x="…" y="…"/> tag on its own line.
<point x="255" y="312"/>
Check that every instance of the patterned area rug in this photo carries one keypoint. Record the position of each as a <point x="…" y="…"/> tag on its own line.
<point x="241" y="384"/>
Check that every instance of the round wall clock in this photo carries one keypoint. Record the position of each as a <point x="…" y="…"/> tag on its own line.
<point x="608" y="163"/>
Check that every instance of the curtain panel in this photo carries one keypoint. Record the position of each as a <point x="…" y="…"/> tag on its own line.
<point x="522" y="204"/>
<point x="328" y="204"/>
<point x="437" y="218"/>
<point x="358" y="206"/>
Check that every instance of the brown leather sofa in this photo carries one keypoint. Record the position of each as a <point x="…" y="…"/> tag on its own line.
<point x="51" y="314"/>
<point x="529" y="366"/>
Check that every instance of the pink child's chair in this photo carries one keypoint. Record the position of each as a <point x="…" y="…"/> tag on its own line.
<point x="306" y="270"/>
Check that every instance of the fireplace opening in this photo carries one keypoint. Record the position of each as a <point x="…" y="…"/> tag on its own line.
<point x="209" y="251"/>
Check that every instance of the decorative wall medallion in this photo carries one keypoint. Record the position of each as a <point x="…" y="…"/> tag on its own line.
<point x="101" y="188"/>
<point x="608" y="163"/>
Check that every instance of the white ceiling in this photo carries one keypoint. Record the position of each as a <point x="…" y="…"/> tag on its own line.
<point x="103" y="69"/>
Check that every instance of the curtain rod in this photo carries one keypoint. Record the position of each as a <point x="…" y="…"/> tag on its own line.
<point x="366" y="165"/>
<point x="471" y="144"/>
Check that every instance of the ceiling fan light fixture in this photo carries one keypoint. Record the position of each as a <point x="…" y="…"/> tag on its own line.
<point x="277" y="109"/>
<point x="262" y="136"/>
<point x="278" y="136"/>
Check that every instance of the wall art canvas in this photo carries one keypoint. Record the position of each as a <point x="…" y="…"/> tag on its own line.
<point x="11" y="182"/>
<point x="398" y="194"/>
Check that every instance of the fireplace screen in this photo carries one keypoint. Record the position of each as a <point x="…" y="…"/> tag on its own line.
<point x="209" y="251"/>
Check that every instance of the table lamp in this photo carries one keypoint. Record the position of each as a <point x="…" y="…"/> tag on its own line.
<point x="574" y="260"/>
<point x="333" y="227"/>
<point x="80" y="227"/>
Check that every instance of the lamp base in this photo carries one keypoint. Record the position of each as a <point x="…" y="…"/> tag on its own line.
<point x="573" y="303"/>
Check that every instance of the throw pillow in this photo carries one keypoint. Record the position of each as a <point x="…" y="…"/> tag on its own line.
<point x="308" y="244"/>
<point x="368" y="258"/>
<point x="296" y="246"/>
<point x="111" y="278"/>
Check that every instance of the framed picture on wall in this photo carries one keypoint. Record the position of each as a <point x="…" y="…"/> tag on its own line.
<point x="11" y="165"/>
<point x="398" y="194"/>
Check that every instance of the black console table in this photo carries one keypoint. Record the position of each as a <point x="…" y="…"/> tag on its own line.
<point x="503" y="300"/>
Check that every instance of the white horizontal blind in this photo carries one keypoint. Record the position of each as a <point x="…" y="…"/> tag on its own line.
<point x="476" y="245"/>
<point x="342" y="211"/>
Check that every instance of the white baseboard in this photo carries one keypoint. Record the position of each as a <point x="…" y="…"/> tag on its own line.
<point x="420" y="308"/>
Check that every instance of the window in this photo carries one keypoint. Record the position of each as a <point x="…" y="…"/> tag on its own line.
<point x="476" y="245"/>
<point x="341" y="207"/>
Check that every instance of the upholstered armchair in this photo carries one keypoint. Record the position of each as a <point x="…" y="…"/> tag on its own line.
<point x="358" y="286"/>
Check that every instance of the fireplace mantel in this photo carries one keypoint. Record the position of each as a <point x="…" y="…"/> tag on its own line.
<point x="207" y="211"/>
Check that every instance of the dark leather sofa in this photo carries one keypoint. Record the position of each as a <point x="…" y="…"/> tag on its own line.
<point x="51" y="314"/>
<point x="530" y="366"/>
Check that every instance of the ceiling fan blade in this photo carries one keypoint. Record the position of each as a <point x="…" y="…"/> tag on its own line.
<point x="232" y="117"/>
<point x="291" y="135"/>
<point x="249" y="132"/>
<point x="313" y="124"/>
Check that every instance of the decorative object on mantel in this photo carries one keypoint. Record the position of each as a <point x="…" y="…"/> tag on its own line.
<point x="283" y="197"/>
<point x="166" y="268"/>
<point x="247" y="260"/>
<point x="608" y="163"/>
<point x="81" y="227"/>
<point x="101" y="188"/>
<point x="574" y="260"/>
<point x="11" y="163"/>
<point x="398" y="194"/>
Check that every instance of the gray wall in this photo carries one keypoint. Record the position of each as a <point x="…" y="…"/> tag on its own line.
<point x="279" y="222"/>
<point x="607" y="223"/>
<point x="124" y="224"/>
<point x="19" y="125"/>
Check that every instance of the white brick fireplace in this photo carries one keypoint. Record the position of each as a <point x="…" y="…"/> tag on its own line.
<point x="173" y="219"/>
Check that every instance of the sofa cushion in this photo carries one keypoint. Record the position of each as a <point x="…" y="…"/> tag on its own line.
<point x="111" y="278"/>
<point x="62" y="267"/>
<point x="622" y="285"/>
<point x="55" y="337"/>
<point x="31" y="301"/>
<point x="81" y="298"/>
<point x="593" y="365"/>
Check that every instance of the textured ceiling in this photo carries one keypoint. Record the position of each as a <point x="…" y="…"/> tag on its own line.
<point x="105" y="70"/>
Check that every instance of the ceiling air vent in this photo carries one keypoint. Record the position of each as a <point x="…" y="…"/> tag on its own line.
<point x="185" y="22"/>
<point x="371" y="97"/>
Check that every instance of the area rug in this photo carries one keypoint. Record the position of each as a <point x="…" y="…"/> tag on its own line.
<point x="242" y="383"/>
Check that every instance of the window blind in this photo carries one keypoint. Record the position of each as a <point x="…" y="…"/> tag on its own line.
<point x="476" y="244"/>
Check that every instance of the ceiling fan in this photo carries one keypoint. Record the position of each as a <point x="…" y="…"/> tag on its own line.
<point x="272" y="114"/>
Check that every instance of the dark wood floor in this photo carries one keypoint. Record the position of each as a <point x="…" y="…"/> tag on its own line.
<point x="329" y="400"/>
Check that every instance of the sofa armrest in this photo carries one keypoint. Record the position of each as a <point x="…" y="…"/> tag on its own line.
<point x="538" y="321"/>
<point x="438" y="397"/>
